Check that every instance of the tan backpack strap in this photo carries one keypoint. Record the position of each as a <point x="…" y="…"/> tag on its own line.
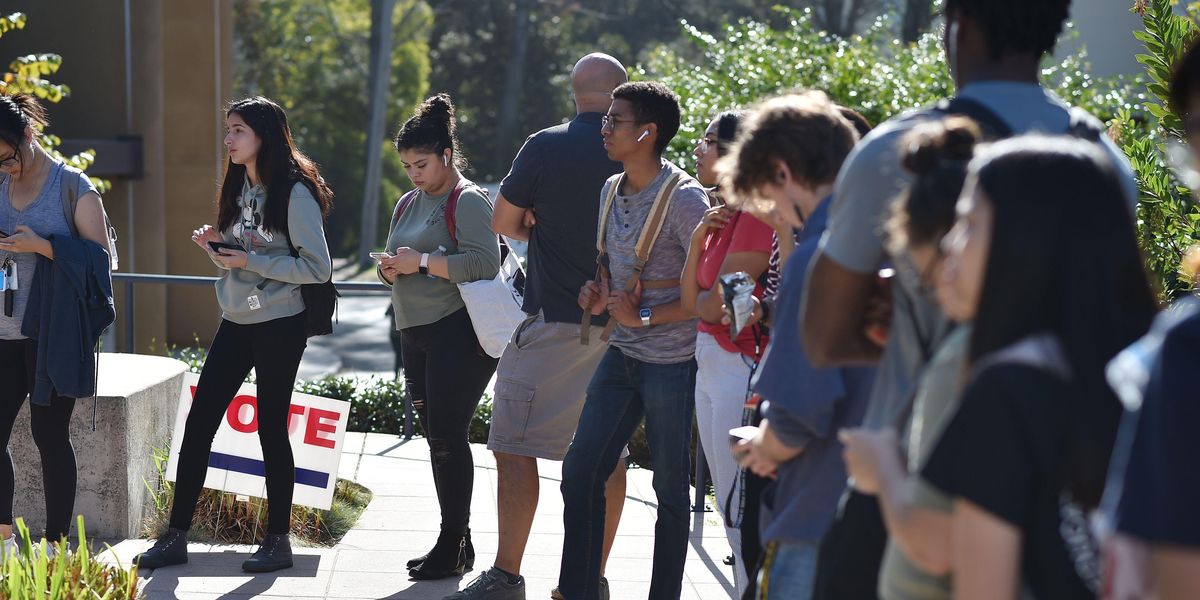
<point x="585" y="323"/>
<point x="653" y="227"/>
<point x="606" y="209"/>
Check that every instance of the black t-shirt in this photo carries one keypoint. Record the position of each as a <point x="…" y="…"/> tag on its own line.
<point x="560" y="172"/>
<point x="1159" y="443"/>
<point x="1004" y="451"/>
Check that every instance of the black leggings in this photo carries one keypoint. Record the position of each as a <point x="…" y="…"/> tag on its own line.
<point x="51" y="433"/>
<point x="446" y="372"/>
<point x="274" y="350"/>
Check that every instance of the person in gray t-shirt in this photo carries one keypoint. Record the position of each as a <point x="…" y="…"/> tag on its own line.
<point x="649" y="370"/>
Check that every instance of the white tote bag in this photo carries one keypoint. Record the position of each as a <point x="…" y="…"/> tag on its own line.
<point x="495" y="305"/>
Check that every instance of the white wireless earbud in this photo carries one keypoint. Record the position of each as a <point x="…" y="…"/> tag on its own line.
<point x="445" y="160"/>
<point x="643" y="136"/>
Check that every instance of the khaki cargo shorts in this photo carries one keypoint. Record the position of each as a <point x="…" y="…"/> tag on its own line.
<point x="541" y="384"/>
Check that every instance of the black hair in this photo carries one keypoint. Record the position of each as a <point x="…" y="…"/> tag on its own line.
<point x="1063" y="260"/>
<point x="1185" y="80"/>
<point x="18" y="112"/>
<point x="727" y="127"/>
<point x="655" y="103"/>
<point x="1016" y="26"/>
<point x="280" y="166"/>
<point x="936" y="153"/>
<point x="432" y="129"/>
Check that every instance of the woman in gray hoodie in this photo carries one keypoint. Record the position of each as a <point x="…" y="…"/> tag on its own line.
<point x="272" y="194"/>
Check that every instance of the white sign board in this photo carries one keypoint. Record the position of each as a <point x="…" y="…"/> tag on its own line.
<point x="316" y="428"/>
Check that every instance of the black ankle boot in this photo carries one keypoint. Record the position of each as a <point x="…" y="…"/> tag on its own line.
<point x="469" y="551"/>
<point x="447" y="559"/>
<point x="170" y="549"/>
<point x="274" y="554"/>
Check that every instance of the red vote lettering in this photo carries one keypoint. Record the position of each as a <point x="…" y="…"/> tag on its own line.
<point x="316" y="425"/>
<point x="233" y="414"/>
<point x="294" y="411"/>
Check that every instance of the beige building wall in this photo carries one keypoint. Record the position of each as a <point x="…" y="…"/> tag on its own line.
<point x="169" y="93"/>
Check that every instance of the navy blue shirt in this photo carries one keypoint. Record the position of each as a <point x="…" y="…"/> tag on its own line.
<point x="1154" y="487"/>
<point x="559" y="173"/>
<point x="806" y="406"/>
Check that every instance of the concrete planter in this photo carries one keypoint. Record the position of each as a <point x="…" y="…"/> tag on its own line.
<point x="135" y="406"/>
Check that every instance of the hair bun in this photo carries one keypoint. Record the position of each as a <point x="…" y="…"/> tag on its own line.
<point x="933" y="145"/>
<point x="438" y="107"/>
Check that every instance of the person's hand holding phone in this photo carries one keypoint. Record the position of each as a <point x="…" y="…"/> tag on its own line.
<point x="746" y="445"/>
<point x="204" y="235"/>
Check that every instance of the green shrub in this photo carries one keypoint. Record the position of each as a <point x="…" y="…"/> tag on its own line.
<point x="32" y="573"/>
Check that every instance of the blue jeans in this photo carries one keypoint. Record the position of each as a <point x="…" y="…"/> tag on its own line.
<point x="622" y="392"/>
<point x="790" y="571"/>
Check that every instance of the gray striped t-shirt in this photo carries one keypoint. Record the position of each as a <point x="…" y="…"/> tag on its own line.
<point x="45" y="217"/>
<point x="659" y="344"/>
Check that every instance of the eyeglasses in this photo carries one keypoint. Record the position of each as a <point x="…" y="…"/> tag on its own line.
<point x="10" y="161"/>
<point x="610" y="123"/>
<point x="702" y="144"/>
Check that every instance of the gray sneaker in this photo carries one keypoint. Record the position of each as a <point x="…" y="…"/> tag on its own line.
<point x="492" y="584"/>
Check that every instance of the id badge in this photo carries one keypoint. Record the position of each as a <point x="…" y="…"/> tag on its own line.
<point x="254" y="303"/>
<point x="11" y="273"/>
<point x="4" y="279"/>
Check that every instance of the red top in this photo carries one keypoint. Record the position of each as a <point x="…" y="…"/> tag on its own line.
<point x="743" y="233"/>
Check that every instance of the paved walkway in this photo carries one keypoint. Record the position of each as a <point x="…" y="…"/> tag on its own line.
<point x="402" y="521"/>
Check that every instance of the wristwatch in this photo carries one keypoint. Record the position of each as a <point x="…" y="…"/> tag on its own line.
<point x="645" y="314"/>
<point x="424" y="268"/>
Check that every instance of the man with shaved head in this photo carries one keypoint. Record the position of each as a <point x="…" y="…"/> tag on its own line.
<point x="551" y="198"/>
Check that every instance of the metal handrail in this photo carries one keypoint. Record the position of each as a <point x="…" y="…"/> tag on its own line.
<point x="128" y="280"/>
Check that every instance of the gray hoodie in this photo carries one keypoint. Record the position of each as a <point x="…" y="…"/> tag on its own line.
<point x="268" y="288"/>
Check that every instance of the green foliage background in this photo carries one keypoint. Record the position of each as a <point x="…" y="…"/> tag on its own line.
<point x="311" y="56"/>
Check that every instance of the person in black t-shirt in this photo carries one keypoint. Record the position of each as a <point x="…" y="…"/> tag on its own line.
<point x="1025" y="455"/>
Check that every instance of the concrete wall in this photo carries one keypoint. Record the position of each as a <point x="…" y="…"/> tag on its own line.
<point x="180" y="74"/>
<point x="137" y="400"/>
<point x="1106" y="29"/>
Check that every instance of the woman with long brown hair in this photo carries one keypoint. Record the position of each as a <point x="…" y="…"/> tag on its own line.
<point x="272" y="200"/>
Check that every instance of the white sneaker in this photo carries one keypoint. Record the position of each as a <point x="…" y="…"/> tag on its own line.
<point x="9" y="546"/>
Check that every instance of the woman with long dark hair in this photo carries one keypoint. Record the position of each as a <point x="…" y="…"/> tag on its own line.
<point x="441" y="235"/>
<point x="1044" y="259"/>
<point x="31" y="185"/>
<point x="273" y="199"/>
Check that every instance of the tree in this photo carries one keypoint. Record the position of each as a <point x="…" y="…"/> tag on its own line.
<point x="26" y="76"/>
<point x="311" y="56"/>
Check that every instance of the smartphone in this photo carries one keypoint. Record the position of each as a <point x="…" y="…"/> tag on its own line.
<point x="218" y="246"/>
<point x="745" y="432"/>
<point x="3" y="234"/>
<point x="378" y="256"/>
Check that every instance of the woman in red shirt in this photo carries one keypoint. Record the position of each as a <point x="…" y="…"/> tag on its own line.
<point x="727" y="241"/>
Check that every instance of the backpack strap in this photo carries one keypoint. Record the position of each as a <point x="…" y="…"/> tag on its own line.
<point x="993" y="126"/>
<point x="402" y="205"/>
<point x="614" y="184"/>
<point x="650" y="231"/>
<point x="70" y="184"/>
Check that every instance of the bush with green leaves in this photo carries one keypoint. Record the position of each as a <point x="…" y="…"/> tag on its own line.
<point x="1168" y="217"/>
<point x="34" y="572"/>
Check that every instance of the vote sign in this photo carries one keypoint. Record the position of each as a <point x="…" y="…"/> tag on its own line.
<point x="316" y="429"/>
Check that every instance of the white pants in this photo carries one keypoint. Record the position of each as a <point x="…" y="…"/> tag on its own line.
<point x="721" y="381"/>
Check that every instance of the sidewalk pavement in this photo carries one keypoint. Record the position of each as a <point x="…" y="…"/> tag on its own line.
<point x="401" y="522"/>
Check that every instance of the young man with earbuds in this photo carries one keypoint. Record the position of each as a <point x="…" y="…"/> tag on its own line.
<point x="649" y="369"/>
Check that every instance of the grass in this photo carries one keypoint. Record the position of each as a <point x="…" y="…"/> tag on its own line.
<point x="31" y="572"/>
<point x="221" y="518"/>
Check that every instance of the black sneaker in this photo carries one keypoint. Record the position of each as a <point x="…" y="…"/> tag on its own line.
<point x="274" y="554"/>
<point x="493" y="584"/>
<point x="170" y="549"/>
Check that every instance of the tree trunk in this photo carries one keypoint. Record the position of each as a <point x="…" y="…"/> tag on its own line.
<point x="917" y="16"/>
<point x="377" y="90"/>
<point x="506" y="128"/>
